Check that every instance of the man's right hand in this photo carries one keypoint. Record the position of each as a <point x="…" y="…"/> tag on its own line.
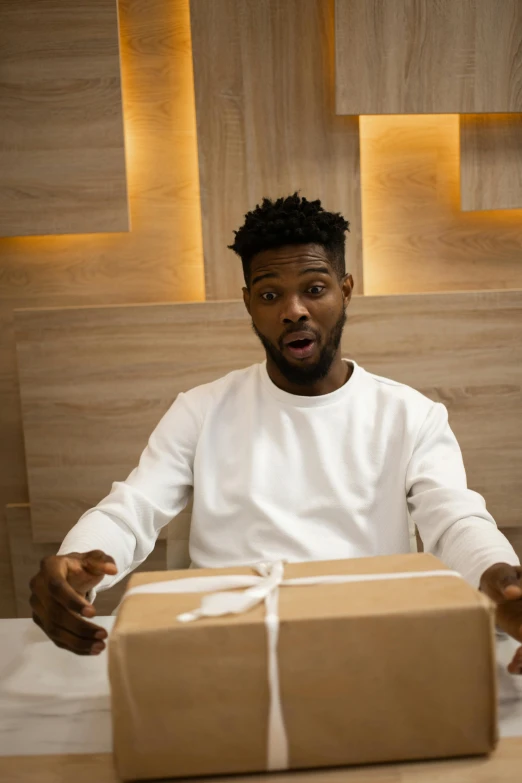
<point x="59" y="603"/>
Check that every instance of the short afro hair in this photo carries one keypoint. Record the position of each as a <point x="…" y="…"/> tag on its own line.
<point x="291" y="221"/>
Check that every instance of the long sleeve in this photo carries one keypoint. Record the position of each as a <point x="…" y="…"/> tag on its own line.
<point x="127" y="522"/>
<point x="453" y="521"/>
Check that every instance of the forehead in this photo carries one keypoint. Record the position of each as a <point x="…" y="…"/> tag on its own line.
<point x="289" y="258"/>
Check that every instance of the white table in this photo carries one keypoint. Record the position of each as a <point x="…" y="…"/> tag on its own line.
<point x="53" y="702"/>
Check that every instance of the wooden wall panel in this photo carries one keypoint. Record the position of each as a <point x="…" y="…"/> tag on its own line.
<point x="464" y="350"/>
<point x="416" y="238"/>
<point x="103" y="377"/>
<point x="416" y="56"/>
<point x="94" y="383"/>
<point x="161" y="260"/>
<point x="26" y="556"/>
<point x="266" y="122"/>
<point x="62" y="153"/>
<point x="491" y="161"/>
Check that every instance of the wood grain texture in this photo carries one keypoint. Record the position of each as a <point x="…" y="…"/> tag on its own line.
<point x="62" y="152"/>
<point x="95" y="381"/>
<point x="26" y="557"/>
<point x="421" y="56"/>
<point x="109" y="374"/>
<point x="160" y="260"/>
<point x="491" y="161"/>
<point x="501" y="767"/>
<point x="416" y="238"/>
<point x="263" y="73"/>
<point x="461" y="349"/>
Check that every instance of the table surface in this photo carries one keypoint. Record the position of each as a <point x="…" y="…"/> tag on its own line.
<point x="56" y="704"/>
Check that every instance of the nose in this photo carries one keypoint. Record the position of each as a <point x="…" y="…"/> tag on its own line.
<point x="294" y="310"/>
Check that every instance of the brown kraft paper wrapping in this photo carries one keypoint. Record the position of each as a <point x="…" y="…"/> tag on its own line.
<point x="370" y="671"/>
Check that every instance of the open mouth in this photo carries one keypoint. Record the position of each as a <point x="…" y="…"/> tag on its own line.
<point x="301" y="348"/>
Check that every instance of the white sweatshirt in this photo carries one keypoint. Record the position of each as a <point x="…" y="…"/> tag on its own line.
<point x="282" y="476"/>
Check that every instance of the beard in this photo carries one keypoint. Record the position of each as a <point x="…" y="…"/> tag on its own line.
<point x="310" y="373"/>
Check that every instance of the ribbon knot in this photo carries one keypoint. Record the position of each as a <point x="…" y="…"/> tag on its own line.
<point x="220" y="604"/>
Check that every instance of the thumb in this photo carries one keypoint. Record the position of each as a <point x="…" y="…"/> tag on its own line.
<point x="510" y="584"/>
<point x="86" y="570"/>
<point x="503" y="582"/>
<point x="98" y="563"/>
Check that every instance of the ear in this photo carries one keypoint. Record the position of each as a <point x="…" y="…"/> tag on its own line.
<point x="347" y="288"/>
<point x="246" y="299"/>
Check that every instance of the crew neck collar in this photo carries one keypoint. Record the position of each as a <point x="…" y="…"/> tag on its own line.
<point x="304" y="401"/>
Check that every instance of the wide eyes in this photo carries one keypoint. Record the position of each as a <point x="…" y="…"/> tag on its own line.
<point x="316" y="290"/>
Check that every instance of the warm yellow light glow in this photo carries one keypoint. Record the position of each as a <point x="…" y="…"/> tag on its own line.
<point x="415" y="236"/>
<point x="161" y="258"/>
<point x="160" y="137"/>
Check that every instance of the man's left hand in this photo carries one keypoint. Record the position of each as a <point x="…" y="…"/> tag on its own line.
<point x="503" y="584"/>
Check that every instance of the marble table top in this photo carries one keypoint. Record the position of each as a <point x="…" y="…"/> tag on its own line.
<point x="53" y="702"/>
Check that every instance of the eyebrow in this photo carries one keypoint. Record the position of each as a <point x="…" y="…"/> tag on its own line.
<point x="316" y="269"/>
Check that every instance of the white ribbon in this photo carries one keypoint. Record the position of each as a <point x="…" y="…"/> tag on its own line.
<point x="264" y="587"/>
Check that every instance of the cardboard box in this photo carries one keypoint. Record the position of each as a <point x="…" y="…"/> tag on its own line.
<point x="369" y="671"/>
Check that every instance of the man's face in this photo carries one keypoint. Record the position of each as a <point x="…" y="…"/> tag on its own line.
<point x="294" y="289"/>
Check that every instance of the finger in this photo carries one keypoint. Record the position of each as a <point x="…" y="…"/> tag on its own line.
<point x="503" y="582"/>
<point x="72" y="642"/>
<point x="52" y="577"/>
<point x="98" y="563"/>
<point x="515" y="667"/>
<point x="86" y="570"/>
<point x="69" y="641"/>
<point x="37" y="620"/>
<point x="511" y="585"/>
<point x="509" y="582"/>
<point x="55" y="572"/>
<point x="63" y="593"/>
<point x="55" y="615"/>
<point x="512" y="592"/>
<point x="76" y="625"/>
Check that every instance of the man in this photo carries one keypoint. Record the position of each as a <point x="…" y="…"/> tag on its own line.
<point x="305" y="456"/>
